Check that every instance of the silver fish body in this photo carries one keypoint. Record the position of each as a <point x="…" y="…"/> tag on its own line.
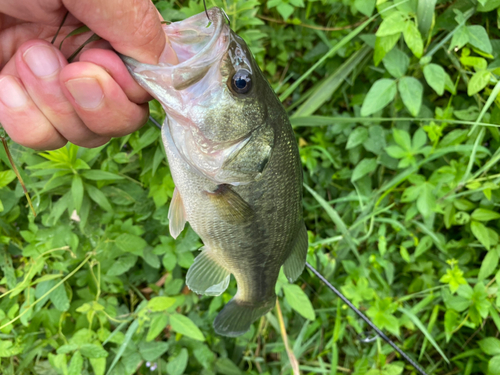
<point x="235" y="162"/>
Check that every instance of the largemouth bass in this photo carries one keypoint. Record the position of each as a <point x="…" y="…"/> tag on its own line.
<point x="235" y="163"/>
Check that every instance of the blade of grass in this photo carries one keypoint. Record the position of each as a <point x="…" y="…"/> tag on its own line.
<point x="426" y="333"/>
<point x="327" y="88"/>
<point x="14" y="168"/>
<point x="332" y="213"/>
<point x="334" y="49"/>
<point x="128" y="336"/>
<point x="430" y="326"/>
<point x="291" y="357"/>
<point x="489" y="102"/>
<point x="472" y="158"/>
<point x="311" y="121"/>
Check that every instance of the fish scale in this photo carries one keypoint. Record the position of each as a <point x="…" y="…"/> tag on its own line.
<point x="235" y="164"/>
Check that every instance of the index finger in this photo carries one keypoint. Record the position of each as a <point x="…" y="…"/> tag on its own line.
<point x="132" y="27"/>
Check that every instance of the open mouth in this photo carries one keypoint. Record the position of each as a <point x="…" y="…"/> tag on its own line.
<point x="196" y="37"/>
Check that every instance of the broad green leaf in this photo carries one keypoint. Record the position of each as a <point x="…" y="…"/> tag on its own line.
<point x="478" y="37"/>
<point x="424" y="244"/>
<point x="150" y="351"/>
<point x="77" y="192"/>
<point x="494" y="366"/>
<point x="299" y="301"/>
<point x="482" y="214"/>
<point x="396" y="62"/>
<point x="413" y="39"/>
<point x="98" y="365"/>
<point x="160" y="303"/>
<point x="122" y="265"/>
<point x="357" y="137"/>
<point x="393" y="24"/>
<point x="478" y="82"/>
<point x="402" y="138"/>
<point x="460" y="38"/>
<point x="131" y="243"/>
<point x="426" y="202"/>
<point x="76" y="364"/>
<point x="158" y="324"/>
<point x="411" y="91"/>
<point x="365" y="6"/>
<point x="480" y="232"/>
<point x="93" y="351"/>
<point x="450" y="322"/>
<point x="185" y="326"/>
<point x="6" y="177"/>
<point x="435" y="76"/>
<point x="381" y="94"/>
<point x="176" y="365"/>
<point x="490" y="345"/>
<point x="59" y="297"/>
<point x="98" y="196"/>
<point x="425" y="15"/>
<point x="384" y="44"/>
<point x="363" y="168"/>
<point x="227" y="367"/>
<point x="489" y="265"/>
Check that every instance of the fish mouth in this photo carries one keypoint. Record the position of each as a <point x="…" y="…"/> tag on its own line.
<point x="199" y="44"/>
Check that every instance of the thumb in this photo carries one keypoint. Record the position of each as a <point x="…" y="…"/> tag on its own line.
<point x="132" y="27"/>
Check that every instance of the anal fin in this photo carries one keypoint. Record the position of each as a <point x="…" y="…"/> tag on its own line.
<point x="230" y="206"/>
<point x="207" y="276"/>
<point x="176" y="215"/>
<point x="294" y="264"/>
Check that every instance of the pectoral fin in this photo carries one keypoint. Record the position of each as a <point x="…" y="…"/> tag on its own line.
<point x="176" y="215"/>
<point x="207" y="276"/>
<point x="294" y="265"/>
<point x="230" y="206"/>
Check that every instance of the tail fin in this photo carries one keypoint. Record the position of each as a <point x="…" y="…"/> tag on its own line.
<point x="237" y="316"/>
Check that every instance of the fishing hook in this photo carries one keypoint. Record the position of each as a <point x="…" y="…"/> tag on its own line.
<point x="223" y="11"/>
<point x="206" y="11"/>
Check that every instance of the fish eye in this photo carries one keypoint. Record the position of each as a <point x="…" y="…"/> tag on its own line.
<point x="241" y="83"/>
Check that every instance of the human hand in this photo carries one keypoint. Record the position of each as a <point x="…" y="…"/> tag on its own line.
<point x="44" y="101"/>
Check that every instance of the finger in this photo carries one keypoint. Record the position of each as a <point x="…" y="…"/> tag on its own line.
<point x="100" y="102"/>
<point x="132" y="27"/>
<point x="47" y="12"/>
<point x="22" y="120"/>
<point x="38" y="64"/>
<point x="115" y="67"/>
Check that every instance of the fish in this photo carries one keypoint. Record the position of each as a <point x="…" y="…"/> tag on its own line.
<point x="235" y="163"/>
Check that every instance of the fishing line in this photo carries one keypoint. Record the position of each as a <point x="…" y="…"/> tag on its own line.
<point x="156" y="123"/>
<point x="367" y="321"/>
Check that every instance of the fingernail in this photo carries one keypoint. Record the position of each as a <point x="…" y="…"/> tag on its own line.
<point x="11" y="93"/>
<point x="87" y="92"/>
<point x="42" y="60"/>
